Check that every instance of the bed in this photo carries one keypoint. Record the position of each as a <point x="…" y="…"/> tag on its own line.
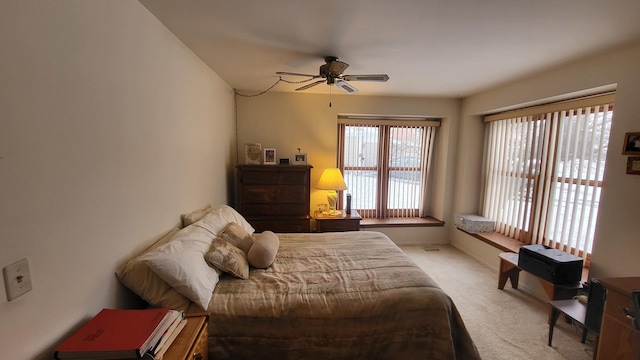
<point x="344" y="295"/>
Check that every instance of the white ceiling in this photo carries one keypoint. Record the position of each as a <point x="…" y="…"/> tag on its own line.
<point x="446" y="48"/>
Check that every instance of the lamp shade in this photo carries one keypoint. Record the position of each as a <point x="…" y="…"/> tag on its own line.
<point x="331" y="179"/>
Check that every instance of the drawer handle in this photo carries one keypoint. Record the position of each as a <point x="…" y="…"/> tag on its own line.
<point x="629" y="314"/>
<point x="197" y="356"/>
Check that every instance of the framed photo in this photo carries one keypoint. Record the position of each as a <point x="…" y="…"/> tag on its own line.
<point x="269" y="156"/>
<point x="300" y="159"/>
<point x="631" y="144"/>
<point x="252" y="153"/>
<point x="633" y="165"/>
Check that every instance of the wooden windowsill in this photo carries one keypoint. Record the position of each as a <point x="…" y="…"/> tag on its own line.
<point x="499" y="241"/>
<point x="508" y="244"/>
<point x="400" y="222"/>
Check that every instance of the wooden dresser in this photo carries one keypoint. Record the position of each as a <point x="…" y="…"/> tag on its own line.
<point x="275" y="197"/>
<point x="618" y="338"/>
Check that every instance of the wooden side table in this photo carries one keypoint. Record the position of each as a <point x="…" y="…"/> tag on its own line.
<point x="571" y="308"/>
<point x="342" y="222"/>
<point x="192" y="342"/>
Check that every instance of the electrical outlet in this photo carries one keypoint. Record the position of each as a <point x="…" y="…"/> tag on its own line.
<point x="17" y="279"/>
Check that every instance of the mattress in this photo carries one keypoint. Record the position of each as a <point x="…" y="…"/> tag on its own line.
<point x="352" y="295"/>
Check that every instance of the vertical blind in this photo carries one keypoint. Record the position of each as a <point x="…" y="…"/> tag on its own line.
<point x="543" y="172"/>
<point x="385" y="163"/>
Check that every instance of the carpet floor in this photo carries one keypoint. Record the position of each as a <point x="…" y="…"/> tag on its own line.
<point x="504" y="324"/>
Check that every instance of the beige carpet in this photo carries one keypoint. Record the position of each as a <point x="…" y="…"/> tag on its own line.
<point x="504" y="324"/>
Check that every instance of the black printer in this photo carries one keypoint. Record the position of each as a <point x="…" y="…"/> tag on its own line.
<point x="555" y="266"/>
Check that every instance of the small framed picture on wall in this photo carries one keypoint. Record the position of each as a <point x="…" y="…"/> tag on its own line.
<point x="633" y="165"/>
<point x="631" y="144"/>
<point x="269" y="156"/>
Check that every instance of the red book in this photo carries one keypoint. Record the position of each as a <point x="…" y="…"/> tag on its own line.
<point x="114" y="334"/>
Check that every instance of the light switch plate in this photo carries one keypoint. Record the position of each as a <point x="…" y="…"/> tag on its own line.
<point x="17" y="279"/>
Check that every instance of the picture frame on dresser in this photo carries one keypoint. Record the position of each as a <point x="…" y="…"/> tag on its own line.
<point x="252" y="153"/>
<point x="300" y="159"/>
<point x="269" y="156"/>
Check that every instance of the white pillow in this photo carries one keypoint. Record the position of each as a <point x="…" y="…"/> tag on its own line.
<point x="182" y="265"/>
<point x="139" y="278"/>
<point x="192" y="217"/>
<point x="217" y="220"/>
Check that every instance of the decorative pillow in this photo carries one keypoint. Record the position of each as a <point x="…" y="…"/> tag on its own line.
<point x="228" y="258"/>
<point x="136" y="275"/>
<point x="217" y="220"/>
<point x="181" y="264"/>
<point x="192" y="217"/>
<point x="237" y="236"/>
<point x="264" y="250"/>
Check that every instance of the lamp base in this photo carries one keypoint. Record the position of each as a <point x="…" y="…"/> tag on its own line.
<point x="332" y="198"/>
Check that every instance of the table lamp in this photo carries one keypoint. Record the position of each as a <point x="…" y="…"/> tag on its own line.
<point x="331" y="179"/>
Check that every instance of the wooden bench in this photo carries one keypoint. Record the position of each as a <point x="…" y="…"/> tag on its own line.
<point x="509" y="270"/>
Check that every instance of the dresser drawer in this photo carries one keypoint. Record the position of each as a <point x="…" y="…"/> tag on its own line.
<point x="275" y="176"/>
<point x="337" y="225"/>
<point x="615" y="305"/>
<point x="260" y="194"/>
<point x="280" y="225"/>
<point x="274" y="210"/>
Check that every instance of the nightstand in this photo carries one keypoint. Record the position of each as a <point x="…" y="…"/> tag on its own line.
<point x="191" y="343"/>
<point x="342" y="222"/>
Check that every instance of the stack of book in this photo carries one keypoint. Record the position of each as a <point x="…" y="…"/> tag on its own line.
<point x="124" y="334"/>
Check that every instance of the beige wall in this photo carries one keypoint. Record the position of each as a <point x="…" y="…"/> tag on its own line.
<point x="617" y="242"/>
<point x="109" y="129"/>
<point x="287" y="121"/>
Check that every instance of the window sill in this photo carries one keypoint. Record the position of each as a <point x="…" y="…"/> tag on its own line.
<point x="400" y="222"/>
<point x="499" y="241"/>
<point x="510" y="245"/>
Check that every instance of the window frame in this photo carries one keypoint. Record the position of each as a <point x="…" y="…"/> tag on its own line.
<point x="543" y="175"/>
<point x="383" y="168"/>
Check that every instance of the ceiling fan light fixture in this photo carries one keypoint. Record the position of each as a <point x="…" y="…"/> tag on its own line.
<point x="346" y="87"/>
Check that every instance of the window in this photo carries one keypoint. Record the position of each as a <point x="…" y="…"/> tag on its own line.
<point x="543" y="172"/>
<point x="385" y="163"/>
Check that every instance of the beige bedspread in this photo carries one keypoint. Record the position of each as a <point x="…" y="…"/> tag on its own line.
<point x="352" y="295"/>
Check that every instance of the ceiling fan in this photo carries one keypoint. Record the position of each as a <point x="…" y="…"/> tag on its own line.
<point x="331" y="73"/>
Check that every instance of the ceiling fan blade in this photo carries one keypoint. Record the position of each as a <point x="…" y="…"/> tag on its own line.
<point x="371" y="77"/>
<point x="346" y="87"/>
<point x="296" y="74"/>
<point x="310" y="85"/>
